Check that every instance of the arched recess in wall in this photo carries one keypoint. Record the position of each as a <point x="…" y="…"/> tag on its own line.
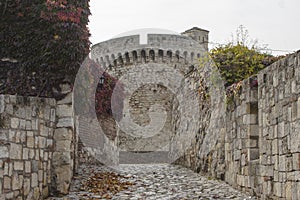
<point x="185" y="57"/>
<point x="192" y="57"/>
<point x="120" y="59"/>
<point x="152" y="55"/>
<point x="161" y="55"/>
<point x="143" y="55"/>
<point x="169" y="55"/>
<point x="113" y="58"/>
<point x="127" y="58"/>
<point x="107" y="60"/>
<point x="134" y="56"/>
<point x="177" y="55"/>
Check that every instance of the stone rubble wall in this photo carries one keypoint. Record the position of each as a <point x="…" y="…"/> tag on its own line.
<point x="95" y="145"/>
<point x="36" y="156"/>
<point x="205" y="153"/>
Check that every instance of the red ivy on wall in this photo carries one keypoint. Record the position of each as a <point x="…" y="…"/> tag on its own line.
<point x="47" y="38"/>
<point x="60" y="10"/>
<point x="103" y="98"/>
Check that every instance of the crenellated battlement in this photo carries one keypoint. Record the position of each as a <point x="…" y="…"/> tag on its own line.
<point x="160" y="48"/>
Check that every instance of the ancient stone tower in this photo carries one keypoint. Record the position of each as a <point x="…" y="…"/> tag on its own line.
<point x="147" y="49"/>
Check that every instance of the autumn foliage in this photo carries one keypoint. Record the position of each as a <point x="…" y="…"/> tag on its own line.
<point x="47" y="40"/>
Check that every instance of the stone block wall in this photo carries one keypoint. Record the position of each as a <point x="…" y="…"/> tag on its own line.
<point x="65" y="147"/>
<point x="36" y="147"/>
<point x="242" y="137"/>
<point x="263" y="133"/>
<point x="26" y="146"/>
<point x="279" y="129"/>
<point x="260" y="136"/>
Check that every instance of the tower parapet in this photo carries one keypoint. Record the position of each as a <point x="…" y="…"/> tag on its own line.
<point x="199" y="35"/>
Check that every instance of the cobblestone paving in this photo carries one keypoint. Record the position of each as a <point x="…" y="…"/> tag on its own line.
<point x="157" y="181"/>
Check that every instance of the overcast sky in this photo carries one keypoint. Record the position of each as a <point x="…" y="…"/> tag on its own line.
<point x="272" y="22"/>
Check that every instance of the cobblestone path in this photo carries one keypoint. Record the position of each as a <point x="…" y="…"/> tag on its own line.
<point x="157" y="181"/>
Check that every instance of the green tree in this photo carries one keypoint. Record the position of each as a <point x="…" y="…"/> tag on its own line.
<point x="241" y="58"/>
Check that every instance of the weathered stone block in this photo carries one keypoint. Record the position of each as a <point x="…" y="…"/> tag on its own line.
<point x="22" y="124"/>
<point x="276" y="176"/>
<point x="34" y="180"/>
<point x="7" y="183"/>
<point x="253" y="154"/>
<point x="31" y="154"/>
<point x="49" y="143"/>
<point x="2" y="104"/>
<point x="40" y="176"/>
<point x="281" y="163"/>
<point x="15" y="122"/>
<point x="44" y="131"/>
<point x="295" y="191"/>
<point x="64" y="111"/>
<point x="237" y="155"/>
<point x="295" y="137"/>
<point x="61" y="158"/>
<point x="282" y="177"/>
<point x="4" y="153"/>
<point x="63" y="146"/>
<point x="278" y="189"/>
<point x="288" y="190"/>
<point x="37" y="154"/>
<point x="27" y="166"/>
<point x="9" y="109"/>
<point x="16" y="151"/>
<point x="18" y="165"/>
<point x="65" y="122"/>
<point x="64" y="176"/>
<point x="17" y="182"/>
<point x="63" y="134"/>
<point x="250" y="119"/>
<point x="52" y="115"/>
<point x="42" y="142"/>
<point x="253" y="130"/>
<point x="296" y="161"/>
<point x="26" y="186"/>
<point x="35" y="124"/>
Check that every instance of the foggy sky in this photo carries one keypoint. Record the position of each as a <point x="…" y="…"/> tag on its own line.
<point x="272" y="22"/>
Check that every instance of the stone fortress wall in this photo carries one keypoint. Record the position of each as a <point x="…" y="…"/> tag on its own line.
<point x="120" y="55"/>
<point x="251" y="142"/>
<point x="255" y="147"/>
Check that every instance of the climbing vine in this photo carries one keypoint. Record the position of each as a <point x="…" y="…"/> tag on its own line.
<point x="93" y="96"/>
<point x="47" y="40"/>
<point x="103" y="97"/>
